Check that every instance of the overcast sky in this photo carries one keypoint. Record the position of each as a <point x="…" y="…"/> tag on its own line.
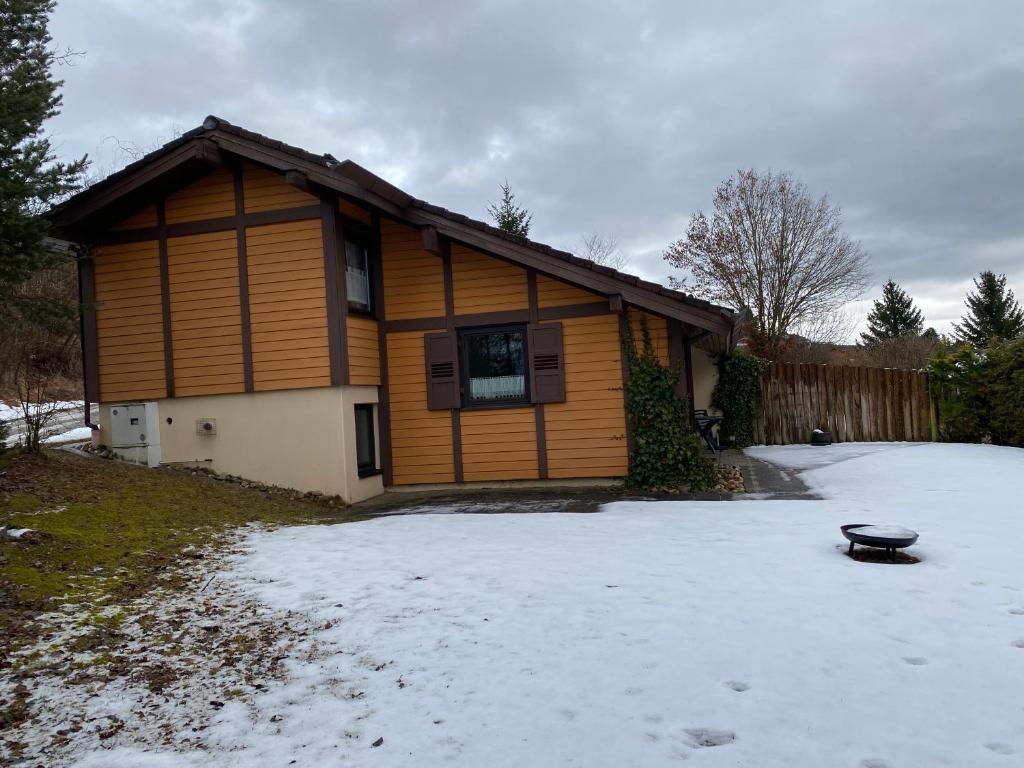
<point x="614" y="117"/>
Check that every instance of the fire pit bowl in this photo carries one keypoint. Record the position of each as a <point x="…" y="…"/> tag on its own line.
<point x="887" y="537"/>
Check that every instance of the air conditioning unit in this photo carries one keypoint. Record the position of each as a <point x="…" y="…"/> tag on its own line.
<point x="135" y="433"/>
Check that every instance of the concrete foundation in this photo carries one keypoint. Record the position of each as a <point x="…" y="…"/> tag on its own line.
<point x="299" y="438"/>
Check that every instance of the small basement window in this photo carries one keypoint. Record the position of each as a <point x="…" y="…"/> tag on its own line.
<point x="366" y="441"/>
<point x="494" y="369"/>
<point x="357" y="275"/>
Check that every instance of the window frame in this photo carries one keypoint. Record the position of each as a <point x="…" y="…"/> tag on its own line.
<point x="468" y="403"/>
<point x="372" y="468"/>
<point x="361" y="234"/>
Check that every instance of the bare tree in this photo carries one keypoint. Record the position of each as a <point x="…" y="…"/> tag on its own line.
<point x="770" y="248"/>
<point x="603" y="250"/>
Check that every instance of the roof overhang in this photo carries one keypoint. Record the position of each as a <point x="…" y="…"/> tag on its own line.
<point x="217" y="142"/>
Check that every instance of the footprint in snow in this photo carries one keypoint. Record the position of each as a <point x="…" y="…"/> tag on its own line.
<point x="709" y="737"/>
<point x="1000" y="748"/>
<point x="1018" y="643"/>
<point x="1017" y="611"/>
<point x="737" y="685"/>
<point x="874" y="762"/>
<point x="915" y="661"/>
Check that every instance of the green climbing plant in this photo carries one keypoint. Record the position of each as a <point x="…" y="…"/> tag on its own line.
<point x="738" y="396"/>
<point x="666" y="453"/>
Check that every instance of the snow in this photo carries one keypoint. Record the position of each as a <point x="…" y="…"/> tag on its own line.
<point x="729" y="633"/>
<point x="12" y="412"/>
<point x="71" y="436"/>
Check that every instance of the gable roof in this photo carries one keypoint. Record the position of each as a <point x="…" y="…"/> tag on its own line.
<point x="194" y="152"/>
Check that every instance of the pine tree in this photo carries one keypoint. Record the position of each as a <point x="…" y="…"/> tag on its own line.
<point x="30" y="179"/>
<point x="992" y="313"/>
<point x="893" y="316"/>
<point x="508" y="216"/>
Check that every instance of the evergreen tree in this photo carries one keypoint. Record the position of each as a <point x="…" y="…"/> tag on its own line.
<point x="508" y="216"/>
<point x="893" y="316"/>
<point x="30" y="179"/>
<point x="992" y="313"/>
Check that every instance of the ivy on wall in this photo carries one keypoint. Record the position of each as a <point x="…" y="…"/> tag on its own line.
<point x="666" y="452"/>
<point x="738" y="396"/>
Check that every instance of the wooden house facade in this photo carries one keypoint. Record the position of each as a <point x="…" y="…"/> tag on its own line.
<point x="344" y="337"/>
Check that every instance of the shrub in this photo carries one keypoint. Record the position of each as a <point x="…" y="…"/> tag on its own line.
<point x="738" y="396"/>
<point x="956" y="380"/>
<point x="666" y="452"/>
<point x="1004" y="392"/>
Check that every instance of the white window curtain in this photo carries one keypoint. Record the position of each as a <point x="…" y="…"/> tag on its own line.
<point x="497" y="387"/>
<point x="358" y="283"/>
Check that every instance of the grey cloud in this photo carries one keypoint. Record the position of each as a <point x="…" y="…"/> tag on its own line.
<point x="615" y="117"/>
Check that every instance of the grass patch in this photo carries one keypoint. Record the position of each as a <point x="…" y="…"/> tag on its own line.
<point x="107" y="532"/>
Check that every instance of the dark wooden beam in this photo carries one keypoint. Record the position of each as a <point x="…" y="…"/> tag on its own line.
<point x="429" y="240"/>
<point x="501" y="317"/>
<point x="624" y="364"/>
<point x="539" y="426"/>
<point x="87" y="327"/>
<point x="449" y="318"/>
<point x="208" y="152"/>
<point x="243" y="277"/>
<point x="299" y="180"/>
<point x="384" y="395"/>
<point x="337" y="303"/>
<point x="204" y="226"/>
<point x="688" y="370"/>
<point x="165" y="297"/>
<point x="615" y="303"/>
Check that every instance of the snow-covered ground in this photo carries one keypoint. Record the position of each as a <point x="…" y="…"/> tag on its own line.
<point x="65" y="426"/>
<point x="720" y="633"/>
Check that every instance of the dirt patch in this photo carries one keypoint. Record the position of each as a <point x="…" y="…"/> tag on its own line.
<point x="874" y="555"/>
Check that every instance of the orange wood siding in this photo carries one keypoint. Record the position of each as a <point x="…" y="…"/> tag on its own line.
<point x="421" y="440"/>
<point x="354" y="211"/>
<point x="413" y="278"/>
<point x="485" y="284"/>
<point x="586" y="435"/>
<point x="363" y="350"/>
<point x="266" y="190"/>
<point x="499" y="444"/>
<point x="144" y="218"/>
<point x="555" y="293"/>
<point x="205" y="322"/>
<point x="288" y="306"/>
<point x="129" y="322"/>
<point x="212" y="197"/>
<point x="658" y="328"/>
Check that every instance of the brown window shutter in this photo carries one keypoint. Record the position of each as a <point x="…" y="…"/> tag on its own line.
<point x="442" y="356"/>
<point x="547" y="363"/>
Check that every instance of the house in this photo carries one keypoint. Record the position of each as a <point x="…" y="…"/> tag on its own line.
<point x="296" y="320"/>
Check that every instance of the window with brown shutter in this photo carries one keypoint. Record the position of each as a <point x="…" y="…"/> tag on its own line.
<point x="547" y="363"/>
<point x="442" y="358"/>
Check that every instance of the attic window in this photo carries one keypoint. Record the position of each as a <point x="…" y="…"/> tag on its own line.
<point x="357" y="275"/>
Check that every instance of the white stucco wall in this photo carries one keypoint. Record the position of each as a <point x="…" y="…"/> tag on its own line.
<point x="300" y="438"/>
<point x="705" y="376"/>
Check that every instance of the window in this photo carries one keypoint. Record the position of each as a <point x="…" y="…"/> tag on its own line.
<point x="357" y="275"/>
<point x="494" y="370"/>
<point x="366" y="442"/>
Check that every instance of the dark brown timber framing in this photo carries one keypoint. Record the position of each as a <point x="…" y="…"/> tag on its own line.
<point x="165" y="296"/>
<point x="219" y="224"/>
<point x="624" y="361"/>
<point x="538" y="408"/>
<point x="688" y="366"/>
<point x="497" y="318"/>
<point x="676" y="358"/>
<point x="87" y="328"/>
<point x="334" y="276"/>
<point x="449" y="317"/>
<point x="384" y="397"/>
<point x="243" y="276"/>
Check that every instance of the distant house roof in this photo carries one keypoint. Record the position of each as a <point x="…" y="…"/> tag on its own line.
<point x="192" y="154"/>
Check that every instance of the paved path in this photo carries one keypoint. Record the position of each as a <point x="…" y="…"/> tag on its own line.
<point x="766" y="479"/>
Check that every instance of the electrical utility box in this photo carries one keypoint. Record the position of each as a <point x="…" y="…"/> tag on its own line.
<point x="135" y="433"/>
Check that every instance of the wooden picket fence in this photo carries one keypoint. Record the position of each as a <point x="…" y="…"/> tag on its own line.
<point x="851" y="402"/>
